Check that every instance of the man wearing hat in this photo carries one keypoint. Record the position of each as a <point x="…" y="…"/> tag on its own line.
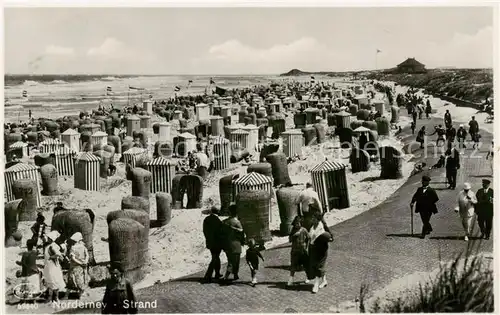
<point x="212" y="229"/>
<point x="484" y="209"/>
<point x="425" y="197"/>
<point x="466" y="202"/>
<point x="452" y="167"/>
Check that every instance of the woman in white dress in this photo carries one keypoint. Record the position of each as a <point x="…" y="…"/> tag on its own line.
<point x="53" y="274"/>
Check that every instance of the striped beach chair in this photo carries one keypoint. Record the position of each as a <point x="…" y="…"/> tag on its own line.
<point x="50" y="145"/>
<point x="162" y="172"/>
<point x="20" y="149"/>
<point x="329" y="181"/>
<point x="133" y="154"/>
<point x="87" y="172"/>
<point x="221" y="152"/>
<point x="20" y="171"/>
<point x="253" y="181"/>
<point x="65" y="161"/>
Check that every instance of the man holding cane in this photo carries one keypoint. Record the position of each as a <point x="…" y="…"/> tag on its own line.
<point x="425" y="197"/>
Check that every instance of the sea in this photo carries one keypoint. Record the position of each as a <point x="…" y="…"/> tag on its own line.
<point x="54" y="96"/>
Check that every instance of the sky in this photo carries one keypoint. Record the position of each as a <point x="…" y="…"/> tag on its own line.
<point x="243" y="40"/>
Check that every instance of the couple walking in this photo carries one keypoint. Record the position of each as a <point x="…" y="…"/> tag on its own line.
<point x="310" y="236"/>
<point x="469" y="205"/>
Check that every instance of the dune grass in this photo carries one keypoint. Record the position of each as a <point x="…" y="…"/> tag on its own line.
<point x="464" y="285"/>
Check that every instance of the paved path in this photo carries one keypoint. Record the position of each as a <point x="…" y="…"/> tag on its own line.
<point x="372" y="248"/>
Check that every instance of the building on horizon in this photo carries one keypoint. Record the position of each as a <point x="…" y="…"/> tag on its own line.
<point x="411" y="65"/>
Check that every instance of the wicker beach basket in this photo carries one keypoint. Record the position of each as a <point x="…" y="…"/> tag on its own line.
<point x="268" y="148"/>
<point x="11" y="212"/>
<point x="353" y="109"/>
<point x="128" y="247"/>
<point x="193" y="185"/>
<point x="394" y="114"/>
<point x="48" y="174"/>
<point x="226" y="192"/>
<point x="363" y="114"/>
<point x="261" y="168"/>
<point x="360" y="160"/>
<point x="135" y="202"/>
<point x="391" y="163"/>
<point x="141" y="182"/>
<point x="253" y="212"/>
<point x="279" y="166"/>
<point x="310" y="135"/>
<point x="27" y="190"/>
<point x="286" y="197"/>
<point x="320" y="133"/>
<point x="163" y="208"/>
<point x="372" y="125"/>
<point x="383" y="126"/>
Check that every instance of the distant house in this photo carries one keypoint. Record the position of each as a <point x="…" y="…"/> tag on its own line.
<point x="411" y="65"/>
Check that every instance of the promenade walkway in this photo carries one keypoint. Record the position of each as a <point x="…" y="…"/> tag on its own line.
<point x="372" y="248"/>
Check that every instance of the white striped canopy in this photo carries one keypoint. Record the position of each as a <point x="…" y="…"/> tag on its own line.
<point x="187" y="135"/>
<point x="64" y="151"/>
<point x="160" y="161"/>
<point x="328" y="166"/>
<point x="51" y="141"/>
<point x="18" y="145"/>
<point x="292" y="132"/>
<point x="133" y="117"/>
<point x="239" y="132"/>
<point x="342" y="113"/>
<point x="21" y="167"/>
<point x="361" y="129"/>
<point x="252" y="179"/>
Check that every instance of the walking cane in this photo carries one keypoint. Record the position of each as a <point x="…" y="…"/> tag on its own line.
<point x="411" y="216"/>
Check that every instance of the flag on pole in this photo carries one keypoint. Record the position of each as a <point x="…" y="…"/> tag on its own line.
<point x="313" y="79"/>
<point x="379" y="51"/>
<point x="109" y="89"/>
<point x="190" y="81"/>
<point x="135" y="88"/>
<point x="212" y="81"/>
<point x="220" y="91"/>
<point x="177" y="88"/>
<point x="25" y="93"/>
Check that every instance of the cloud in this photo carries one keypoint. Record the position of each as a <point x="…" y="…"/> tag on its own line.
<point x="110" y="47"/>
<point x="234" y="56"/>
<point x="59" y="50"/>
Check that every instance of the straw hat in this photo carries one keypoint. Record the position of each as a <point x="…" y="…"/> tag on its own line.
<point x="53" y="235"/>
<point x="467" y="186"/>
<point x="77" y="237"/>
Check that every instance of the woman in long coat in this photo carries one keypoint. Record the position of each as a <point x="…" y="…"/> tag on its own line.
<point x="78" y="277"/>
<point x="52" y="272"/>
<point x="318" y="252"/>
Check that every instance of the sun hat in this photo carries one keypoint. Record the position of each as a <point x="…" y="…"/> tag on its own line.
<point x="76" y="237"/>
<point x="53" y="235"/>
<point x="467" y="186"/>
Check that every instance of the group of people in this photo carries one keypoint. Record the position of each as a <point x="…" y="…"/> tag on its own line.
<point x="309" y="236"/>
<point x="73" y="253"/>
<point x="470" y="206"/>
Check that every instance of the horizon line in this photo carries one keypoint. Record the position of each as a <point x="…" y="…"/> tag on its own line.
<point x="245" y="74"/>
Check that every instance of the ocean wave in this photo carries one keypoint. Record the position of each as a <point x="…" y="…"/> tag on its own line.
<point x="30" y="83"/>
<point x="58" y="82"/>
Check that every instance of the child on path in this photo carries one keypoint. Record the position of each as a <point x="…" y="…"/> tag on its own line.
<point x="299" y="258"/>
<point x="252" y="256"/>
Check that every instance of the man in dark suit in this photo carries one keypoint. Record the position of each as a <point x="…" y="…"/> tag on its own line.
<point x="425" y="197"/>
<point x="484" y="209"/>
<point x="452" y="167"/>
<point x="212" y="229"/>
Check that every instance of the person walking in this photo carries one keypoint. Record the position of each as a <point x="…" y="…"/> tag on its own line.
<point x="484" y="209"/>
<point x="309" y="204"/>
<point x="451" y="133"/>
<point x="212" y="229"/>
<point x="414" y="115"/>
<point x="421" y="137"/>
<point x="202" y="162"/>
<point x="413" y="127"/>
<point x="252" y="257"/>
<point x="78" y="276"/>
<point x="52" y="272"/>
<point x="452" y="167"/>
<point x="447" y="119"/>
<point x="428" y="109"/>
<point x="425" y="199"/>
<point x="461" y="135"/>
<point x="318" y="253"/>
<point x="235" y="238"/>
<point x="441" y="132"/>
<point x="299" y="258"/>
<point x="489" y="156"/>
<point x="466" y="203"/>
<point x="473" y="127"/>
<point x="119" y="297"/>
